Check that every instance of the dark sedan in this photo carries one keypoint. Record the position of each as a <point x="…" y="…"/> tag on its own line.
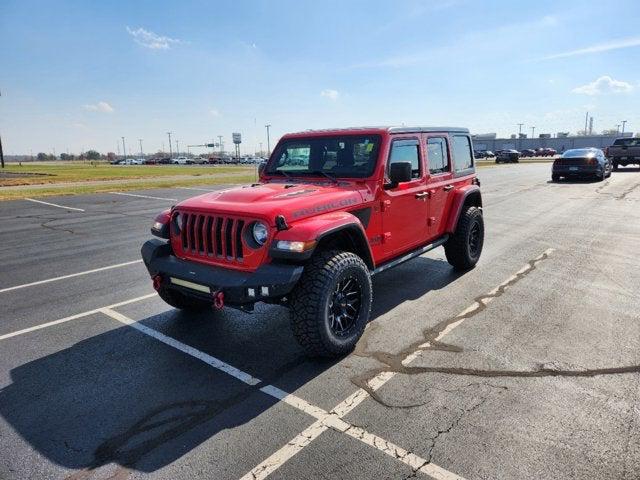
<point x="581" y="163"/>
<point x="507" y="156"/>
<point x="527" y="152"/>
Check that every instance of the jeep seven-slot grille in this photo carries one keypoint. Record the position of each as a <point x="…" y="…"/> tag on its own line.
<point x="211" y="236"/>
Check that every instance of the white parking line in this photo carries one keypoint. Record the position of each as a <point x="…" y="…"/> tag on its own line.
<point x="54" y="205"/>
<point x="144" y="196"/>
<point x="74" y="317"/>
<point x="325" y="420"/>
<point x="300" y="441"/>
<point x="71" y="275"/>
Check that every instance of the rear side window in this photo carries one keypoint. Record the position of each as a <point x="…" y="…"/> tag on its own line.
<point x="406" y="151"/>
<point x="462" y="156"/>
<point x="627" y="142"/>
<point x="437" y="155"/>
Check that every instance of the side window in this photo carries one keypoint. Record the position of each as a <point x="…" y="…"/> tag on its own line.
<point x="406" y="151"/>
<point x="437" y="155"/>
<point x="462" y="156"/>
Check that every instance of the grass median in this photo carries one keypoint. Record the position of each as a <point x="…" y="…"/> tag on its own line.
<point x="74" y="178"/>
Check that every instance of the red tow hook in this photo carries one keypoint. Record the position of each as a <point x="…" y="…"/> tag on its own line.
<point x="157" y="282"/>
<point x="218" y="300"/>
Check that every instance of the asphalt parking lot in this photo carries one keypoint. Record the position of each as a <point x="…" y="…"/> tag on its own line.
<point x="527" y="366"/>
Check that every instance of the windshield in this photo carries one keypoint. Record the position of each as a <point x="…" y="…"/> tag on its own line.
<point x="336" y="156"/>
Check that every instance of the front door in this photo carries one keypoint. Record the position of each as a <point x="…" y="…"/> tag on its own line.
<point x="404" y="207"/>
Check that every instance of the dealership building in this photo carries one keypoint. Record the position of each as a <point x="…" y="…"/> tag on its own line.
<point x="560" y="141"/>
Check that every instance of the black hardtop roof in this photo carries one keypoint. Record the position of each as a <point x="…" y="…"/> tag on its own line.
<point x="390" y="129"/>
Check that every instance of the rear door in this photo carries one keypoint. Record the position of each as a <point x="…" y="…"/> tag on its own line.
<point x="404" y="206"/>
<point x="439" y="182"/>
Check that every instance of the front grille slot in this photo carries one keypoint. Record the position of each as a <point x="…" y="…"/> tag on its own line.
<point x="212" y="236"/>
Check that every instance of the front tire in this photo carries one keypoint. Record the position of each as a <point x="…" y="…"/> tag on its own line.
<point x="615" y="165"/>
<point x="331" y="304"/>
<point x="464" y="247"/>
<point x="181" y="301"/>
<point x="555" y="177"/>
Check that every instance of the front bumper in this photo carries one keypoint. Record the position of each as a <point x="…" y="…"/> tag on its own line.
<point x="579" y="171"/>
<point x="269" y="282"/>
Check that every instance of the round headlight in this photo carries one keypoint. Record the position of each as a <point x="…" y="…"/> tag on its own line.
<point x="260" y="233"/>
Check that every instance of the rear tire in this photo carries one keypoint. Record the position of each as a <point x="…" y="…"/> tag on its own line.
<point x="331" y="304"/>
<point x="615" y="165"/>
<point x="463" y="249"/>
<point x="555" y="177"/>
<point x="183" y="302"/>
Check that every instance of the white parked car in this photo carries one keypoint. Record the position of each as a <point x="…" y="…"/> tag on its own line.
<point x="130" y="161"/>
<point x="181" y="161"/>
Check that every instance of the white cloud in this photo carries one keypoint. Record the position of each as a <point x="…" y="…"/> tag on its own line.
<point x="103" y="107"/>
<point x="603" y="85"/>
<point x="214" y="112"/>
<point x="330" y="94"/>
<point x="600" y="47"/>
<point x="152" y="40"/>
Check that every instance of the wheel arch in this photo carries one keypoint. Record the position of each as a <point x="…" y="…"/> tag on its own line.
<point x="337" y="230"/>
<point x="467" y="196"/>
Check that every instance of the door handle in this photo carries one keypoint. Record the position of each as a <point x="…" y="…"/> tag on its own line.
<point x="447" y="188"/>
<point x="422" y="195"/>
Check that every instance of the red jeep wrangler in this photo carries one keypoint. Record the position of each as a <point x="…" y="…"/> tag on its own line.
<point x="333" y="208"/>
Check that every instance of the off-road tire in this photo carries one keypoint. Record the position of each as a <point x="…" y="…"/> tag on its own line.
<point x="555" y="177"/>
<point x="310" y="300"/>
<point x="458" y="249"/>
<point x="183" y="302"/>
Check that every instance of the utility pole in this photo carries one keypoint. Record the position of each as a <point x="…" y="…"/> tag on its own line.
<point x="141" y="154"/>
<point x="124" y="150"/>
<point x="177" y="148"/>
<point x="618" y="129"/>
<point x="533" y="130"/>
<point x="268" y="141"/>
<point x="623" y="124"/>
<point x="220" y="143"/>
<point x="170" y="152"/>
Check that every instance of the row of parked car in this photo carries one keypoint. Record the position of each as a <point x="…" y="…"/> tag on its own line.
<point x="511" y="155"/>
<point x="189" y="161"/>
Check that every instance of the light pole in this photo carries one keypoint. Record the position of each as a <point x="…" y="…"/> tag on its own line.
<point x="123" y="148"/>
<point x="618" y="129"/>
<point x="623" y="124"/>
<point x="260" y="148"/>
<point x="520" y="133"/>
<point x="177" y="148"/>
<point x="533" y="129"/>
<point x="268" y="141"/>
<point x="141" y="154"/>
<point x="170" y="152"/>
<point x="220" y="143"/>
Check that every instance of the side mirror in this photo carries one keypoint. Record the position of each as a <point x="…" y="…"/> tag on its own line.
<point x="399" y="172"/>
<point x="261" y="167"/>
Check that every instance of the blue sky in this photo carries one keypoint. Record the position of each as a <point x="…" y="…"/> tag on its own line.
<point x="80" y="75"/>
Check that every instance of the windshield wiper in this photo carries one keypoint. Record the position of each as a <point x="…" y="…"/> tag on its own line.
<point x="325" y="174"/>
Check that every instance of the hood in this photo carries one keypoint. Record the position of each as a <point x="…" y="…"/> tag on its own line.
<point x="294" y="201"/>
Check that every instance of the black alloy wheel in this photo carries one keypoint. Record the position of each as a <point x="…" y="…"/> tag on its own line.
<point x="344" y="306"/>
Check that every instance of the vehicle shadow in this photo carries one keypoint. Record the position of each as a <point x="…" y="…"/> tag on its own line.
<point x="123" y="398"/>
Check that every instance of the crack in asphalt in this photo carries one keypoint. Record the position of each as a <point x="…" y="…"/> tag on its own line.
<point x="430" y="340"/>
